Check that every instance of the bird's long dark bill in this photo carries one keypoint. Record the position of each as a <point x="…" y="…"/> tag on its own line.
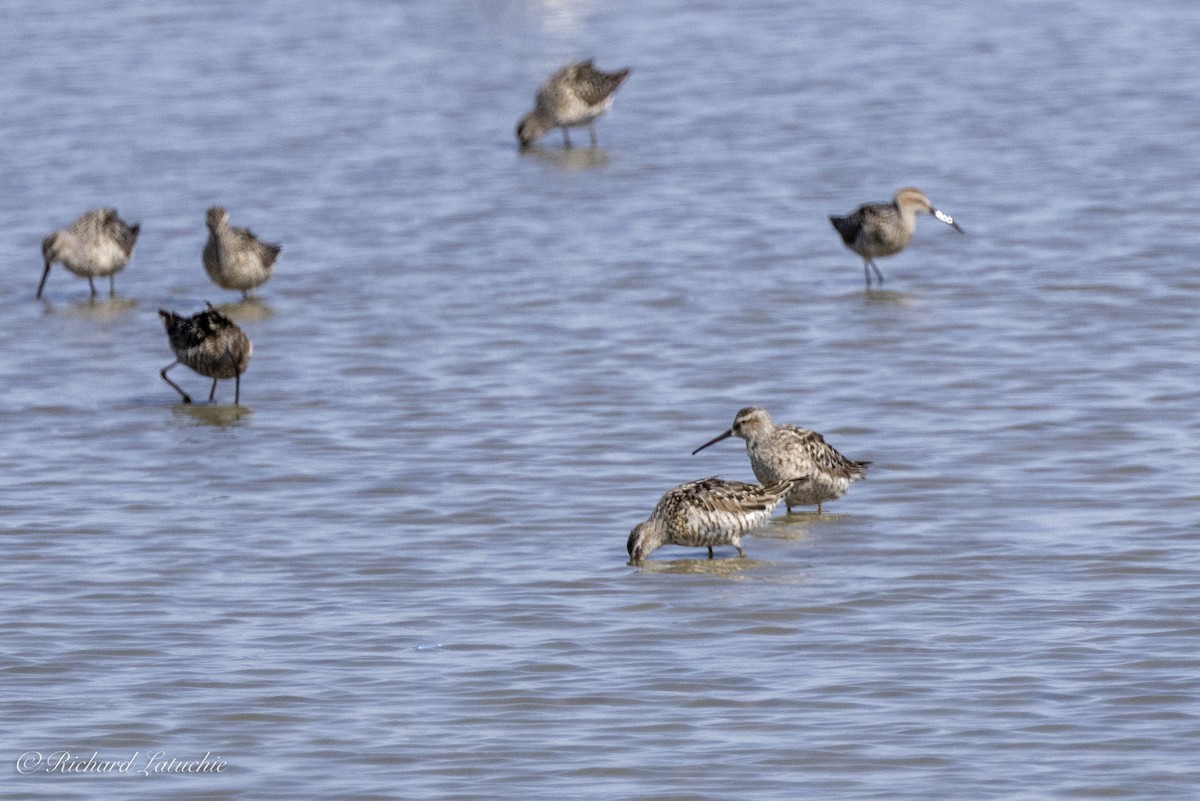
<point x="948" y="220"/>
<point x="45" y="275"/>
<point x="714" y="441"/>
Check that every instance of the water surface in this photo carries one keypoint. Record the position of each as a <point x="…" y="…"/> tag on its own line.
<point x="398" y="570"/>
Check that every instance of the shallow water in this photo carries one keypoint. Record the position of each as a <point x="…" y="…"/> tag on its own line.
<point x="398" y="569"/>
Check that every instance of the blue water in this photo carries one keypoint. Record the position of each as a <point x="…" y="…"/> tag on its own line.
<point x="398" y="569"/>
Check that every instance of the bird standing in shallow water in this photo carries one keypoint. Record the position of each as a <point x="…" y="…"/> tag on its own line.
<point x="883" y="229"/>
<point x="705" y="514"/>
<point x="785" y="450"/>
<point x="97" y="244"/>
<point x="234" y="258"/>
<point x="209" y="343"/>
<point x="574" y="96"/>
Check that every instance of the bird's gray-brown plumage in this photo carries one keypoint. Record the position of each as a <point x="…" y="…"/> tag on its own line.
<point x="573" y="96"/>
<point x="707" y="513"/>
<point x="96" y="245"/>
<point x="883" y="229"/>
<point x="210" y="344"/>
<point x="235" y="258"/>
<point x="777" y="451"/>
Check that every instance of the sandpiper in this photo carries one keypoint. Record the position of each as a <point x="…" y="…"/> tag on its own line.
<point x="209" y="343"/>
<point x="785" y="450"/>
<point x="707" y="513"/>
<point x="234" y="258"/>
<point x="574" y="96"/>
<point x="98" y="244"/>
<point x="883" y="229"/>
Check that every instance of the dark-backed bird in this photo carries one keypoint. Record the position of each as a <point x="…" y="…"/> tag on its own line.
<point x="883" y="229"/>
<point x="210" y="344"/>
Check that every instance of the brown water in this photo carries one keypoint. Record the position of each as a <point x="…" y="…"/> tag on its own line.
<point x="398" y="571"/>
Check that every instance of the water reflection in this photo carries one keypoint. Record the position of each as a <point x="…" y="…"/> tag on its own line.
<point x="98" y="309"/>
<point x="796" y="526"/>
<point x="574" y="158"/>
<point x="717" y="566"/>
<point x="891" y="296"/>
<point x="247" y="310"/>
<point x="210" y="414"/>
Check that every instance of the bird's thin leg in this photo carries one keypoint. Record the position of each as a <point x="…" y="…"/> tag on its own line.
<point x="92" y="285"/>
<point x="237" y="388"/>
<point x="592" y="131"/>
<point x="710" y="552"/>
<point x="878" y="274"/>
<point x="867" y="273"/>
<point x="186" y="398"/>
<point x="566" y="137"/>
<point x="112" y="285"/>
<point x="789" y="507"/>
<point x="212" y="393"/>
<point x="741" y="553"/>
<point x="818" y="507"/>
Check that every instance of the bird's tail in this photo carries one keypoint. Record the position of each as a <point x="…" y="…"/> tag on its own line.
<point x="845" y="228"/>
<point x="127" y="237"/>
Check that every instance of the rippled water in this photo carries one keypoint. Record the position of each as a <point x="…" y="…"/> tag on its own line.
<point x="398" y="570"/>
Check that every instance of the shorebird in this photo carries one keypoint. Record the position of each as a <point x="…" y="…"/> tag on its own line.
<point x="785" y="450"/>
<point x="883" y="229"/>
<point x="209" y="343"/>
<point x="707" y="513"/>
<point x="97" y="244"/>
<point x="574" y="96"/>
<point x="234" y="258"/>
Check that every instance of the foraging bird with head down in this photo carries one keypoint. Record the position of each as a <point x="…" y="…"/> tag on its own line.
<point x="210" y="344"/>
<point x="235" y="258"/>
<point x="706" y="514"/>
<point x="573" y="96"/>
<point x="96" y="245"/>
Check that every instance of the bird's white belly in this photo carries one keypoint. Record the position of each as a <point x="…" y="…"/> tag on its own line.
<point x="576" y="112"/>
